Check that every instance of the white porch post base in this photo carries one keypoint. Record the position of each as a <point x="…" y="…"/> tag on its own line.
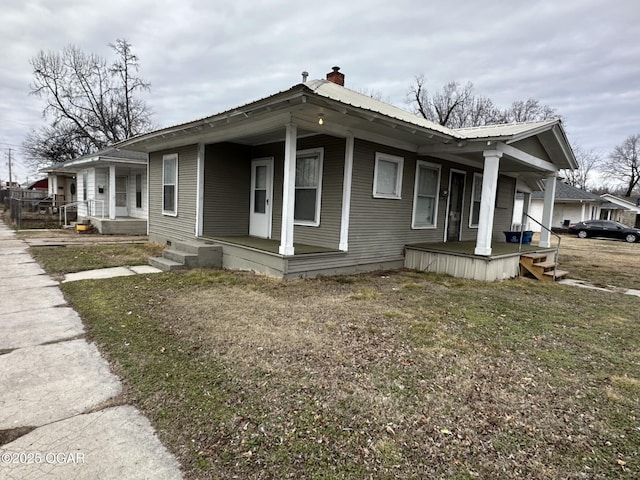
<point x="547" y="210"/>
<point x="288" y="191"/>
<point x="487" y="202"/>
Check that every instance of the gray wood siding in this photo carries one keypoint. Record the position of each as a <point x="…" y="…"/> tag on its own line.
<point x="378" y="227"/>
<point x="227" y="183"/>
<point x="181" y="227"/>
<point x="328" y="233"/>
<point x="533" y="146"/>
<point x="503" y="215"/>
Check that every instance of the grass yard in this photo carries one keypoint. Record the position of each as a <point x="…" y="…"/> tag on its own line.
<point x="75" y="258"/>
<point x="604" y="262"/>
<point x="386" y="375"/>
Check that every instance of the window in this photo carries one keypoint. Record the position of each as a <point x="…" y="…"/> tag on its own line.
<point x="476" y="196"/>
<point x="308" y="187"/>
<point x="425" y="199"/>
<point x="85" y="181"/>
<point x="139" y="191"/>
<point x="387" y="176"/>
<point x="170" y="184"/>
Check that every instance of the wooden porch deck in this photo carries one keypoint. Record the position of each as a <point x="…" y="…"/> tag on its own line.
<point x="498" y="249"/>
<point x="271" y="245"/>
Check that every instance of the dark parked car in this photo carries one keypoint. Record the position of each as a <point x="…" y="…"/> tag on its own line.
<point x="606" y="229"/>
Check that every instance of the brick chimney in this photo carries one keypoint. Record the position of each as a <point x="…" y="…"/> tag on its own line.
<point x="336" y="77"/>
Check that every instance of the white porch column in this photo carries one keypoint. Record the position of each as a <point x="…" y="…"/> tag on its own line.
<point x="346" y="194"/>
<point x="112" y="192"/>
<point x="547" y="210"/>
<point x="200" y="191"/>
<point x="526" y="208"/>
<point x="288" y="190"/>
<point x="487" y="201"/>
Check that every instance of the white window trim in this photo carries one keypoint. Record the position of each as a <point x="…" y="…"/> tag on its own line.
<point x="174" y="212"/>
<point x="438" y="168"/>
<point x="473" y="194"/>
<point x="393" y="159"/>
<point x="320" y="153"/>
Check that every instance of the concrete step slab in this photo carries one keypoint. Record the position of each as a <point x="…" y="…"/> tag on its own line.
<point x="189" y="260"/>
<point x="144" y="269"/>
<point x="165" y="264"/>
<point x="97" y="274"/>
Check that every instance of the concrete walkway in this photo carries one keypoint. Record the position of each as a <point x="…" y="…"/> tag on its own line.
<point x="110" y="273"/>
<point x="54" y="386"/>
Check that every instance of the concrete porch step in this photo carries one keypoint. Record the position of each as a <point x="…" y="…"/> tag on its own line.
<point x="189" y="260"/>
<point x="207" y="255"/>
<point x="165" y="264"/>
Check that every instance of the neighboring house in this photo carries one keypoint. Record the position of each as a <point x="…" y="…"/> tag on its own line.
<point x="571" y="205"/>
<point x="108" y="188"/>
<point x="630" y="209"/>
<point x="41" y="184"/>
<point x="61" y="185"/>
<point x="320" y="179"/>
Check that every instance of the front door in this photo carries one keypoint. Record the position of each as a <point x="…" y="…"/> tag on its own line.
<point x="261" y="197"/>
<point x="121" y="196"/>
<point x="454" y="208"/>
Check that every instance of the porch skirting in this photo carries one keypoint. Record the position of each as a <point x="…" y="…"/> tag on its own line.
<point x="120" y="226"/>
<point x="471" y="267"/>
<point x="308" y="265"/>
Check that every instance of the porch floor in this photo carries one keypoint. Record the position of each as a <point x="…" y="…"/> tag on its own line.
<point x="498" y="249"/>
<point x="271" y="245"/>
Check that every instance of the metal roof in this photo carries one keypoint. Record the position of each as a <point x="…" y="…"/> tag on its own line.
<point x="505" y="129"/>
<point x="381" y="114"/>
<point x="344" y="95"/>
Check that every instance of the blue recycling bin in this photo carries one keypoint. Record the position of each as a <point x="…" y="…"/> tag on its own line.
<point x="512" y="237"/>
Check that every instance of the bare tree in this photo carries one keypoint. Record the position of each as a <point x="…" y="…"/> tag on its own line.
<point x="458" y="106"/>
<point x="623" y="163"/>
<point x="91" y="104"/>
<point x="528" y="111"/>
<point x="588" y="161"/>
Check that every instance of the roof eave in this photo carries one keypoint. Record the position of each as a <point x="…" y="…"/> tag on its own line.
<point x="195" y="126"/>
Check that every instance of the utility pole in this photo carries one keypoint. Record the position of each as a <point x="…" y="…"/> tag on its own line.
<point x="10" y="178"/>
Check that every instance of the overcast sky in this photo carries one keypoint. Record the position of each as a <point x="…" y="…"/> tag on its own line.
<point x="201" y="57"/>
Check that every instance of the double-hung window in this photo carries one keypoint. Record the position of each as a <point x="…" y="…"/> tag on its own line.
<point x="170" y="184"/>
<point x="476" y="196"/>
<point x="308" y="187"/>
<point x="387" y="176"/>
<point x="425" y="198"/>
